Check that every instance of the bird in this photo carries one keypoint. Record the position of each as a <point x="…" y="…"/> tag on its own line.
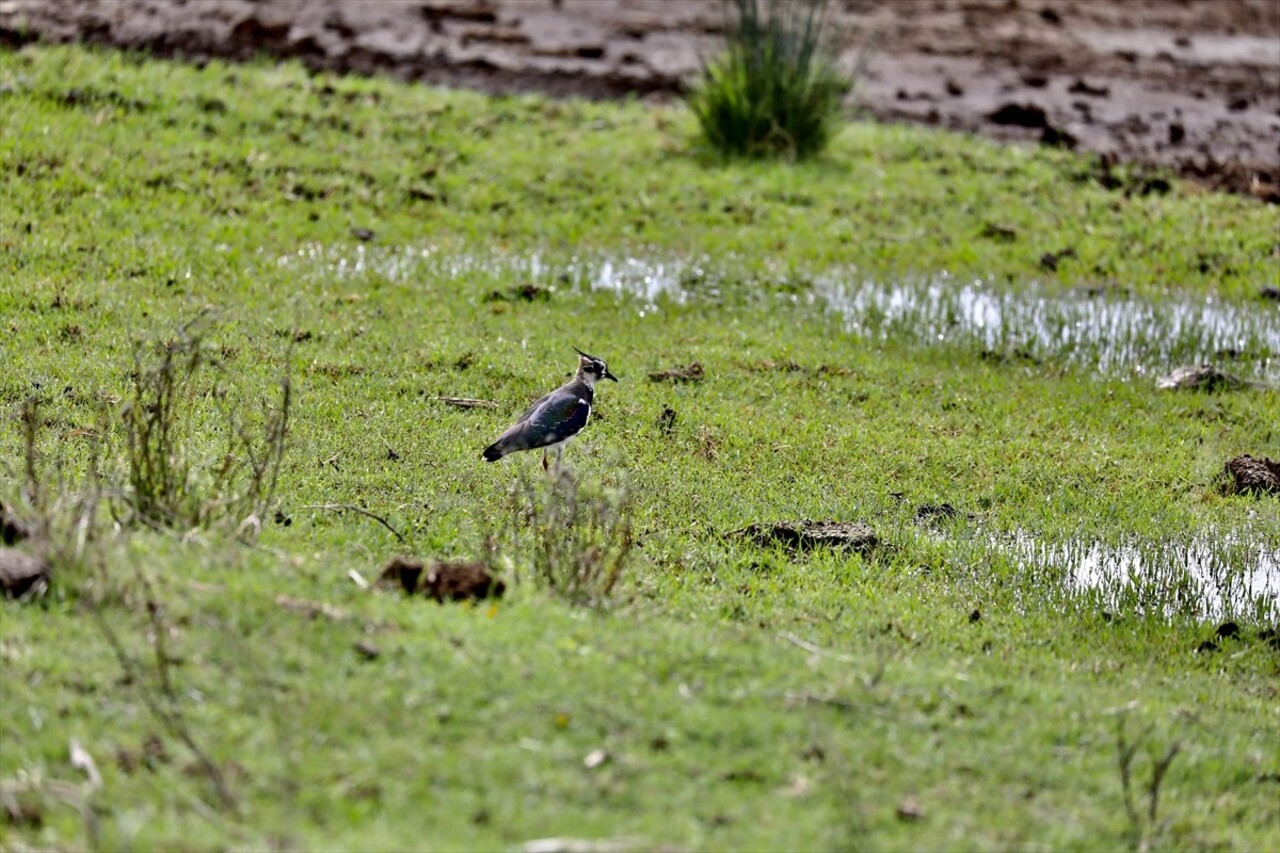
<point x="554" y="419"/>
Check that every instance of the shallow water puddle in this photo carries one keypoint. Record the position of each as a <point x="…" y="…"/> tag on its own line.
<point x="1110" y="332"/>
<point x="1211" y="577"/>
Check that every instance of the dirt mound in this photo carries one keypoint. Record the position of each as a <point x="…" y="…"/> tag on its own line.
<point x="22" y="575"/>
<point x="444" y="581"/>
<point x="805" y="535"/>
<point x="1253" y="475"/>
<point x="1189" y="86"/>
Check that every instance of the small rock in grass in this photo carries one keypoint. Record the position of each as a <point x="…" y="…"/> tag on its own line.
<point x="909" y="809"/>
<point x="1253" y="475"/>
<point x="805" y="535"/>
<point x="459" y="580"/>
<point x="1203" y="377"/>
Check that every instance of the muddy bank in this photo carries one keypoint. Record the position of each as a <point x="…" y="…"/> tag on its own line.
<point x="1194" y="86"/>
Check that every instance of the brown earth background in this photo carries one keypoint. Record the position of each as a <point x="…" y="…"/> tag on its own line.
<point x="1193" y="85"/>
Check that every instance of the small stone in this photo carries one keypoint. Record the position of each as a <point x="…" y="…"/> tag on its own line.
<point x="1203" y="377"/>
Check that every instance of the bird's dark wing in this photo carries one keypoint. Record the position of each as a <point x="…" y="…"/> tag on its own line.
<point x="559" y="415"/>
<point x="533" y="407"/>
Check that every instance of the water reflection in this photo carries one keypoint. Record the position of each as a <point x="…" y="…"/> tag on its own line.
<point x="1213" y="576"/>
<point x="1109" y="332"/>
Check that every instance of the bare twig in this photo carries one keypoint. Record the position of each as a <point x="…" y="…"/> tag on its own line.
<point x="466" y="402"/>
<point x="359" y="510"/>
<point x="171" y="716"/>
<point x="1126" y="751"/>
<point x="814" y="649"/>
<point x="1157" y="779"/>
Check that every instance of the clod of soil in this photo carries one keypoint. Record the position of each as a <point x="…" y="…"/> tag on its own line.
<point x="1049" y="260"/>
<point x="520" y="293"/>
<point x="12" y="528"/>
<point x="927" y="513"/>
<point x="460" y="580"/>
<point x="1082" y="87"/>
<point x="667" y="421"/>
<point x="688" y="373"/>
<point x="22" y="575"/>
<point x="1021" y="115"/>
<point x="1270" y="293"/>
<point x="1203" y="377"/>
<point x="805" y="535"/>
<point x="1253" y="475"/>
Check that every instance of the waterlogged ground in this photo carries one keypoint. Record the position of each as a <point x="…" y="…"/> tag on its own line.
<point x="1109" y="335"/>
<point x="1102" y="329"/>
<point x="1061" y="574"/>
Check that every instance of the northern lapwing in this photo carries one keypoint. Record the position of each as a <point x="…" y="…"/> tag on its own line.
<point x="557" y="417"/>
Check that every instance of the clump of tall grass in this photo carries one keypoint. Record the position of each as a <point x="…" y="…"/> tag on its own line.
<point x="577" y="535"/>
<point x="176" y="478"/>
<point x="776" y="90"/>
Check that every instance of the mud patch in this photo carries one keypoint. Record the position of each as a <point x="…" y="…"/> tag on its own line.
<point x="1253" y="475"/>
<point x="460" y="580"/>
<point x="688" y="373"/>
<point x="22" y="575"/>
<point x="806" y="534"/>
<point x="1186" y="85"/>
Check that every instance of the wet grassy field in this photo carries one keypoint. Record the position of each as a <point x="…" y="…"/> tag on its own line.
<point x="915" y="319"/>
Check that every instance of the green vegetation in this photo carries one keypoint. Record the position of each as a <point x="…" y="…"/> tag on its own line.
<point x="942" y="692"/>
<point x="777" y="89"/>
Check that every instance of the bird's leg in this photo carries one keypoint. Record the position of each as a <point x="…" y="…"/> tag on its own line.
<point x="544" y="460"/>
<point x="559" y="457"/>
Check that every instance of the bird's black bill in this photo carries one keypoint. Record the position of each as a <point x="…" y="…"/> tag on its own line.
<point x="608" y="375"/>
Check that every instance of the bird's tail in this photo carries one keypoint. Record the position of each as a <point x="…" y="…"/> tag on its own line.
<point x="493" y="452"/>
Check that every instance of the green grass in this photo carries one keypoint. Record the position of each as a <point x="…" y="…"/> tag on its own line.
<point x="137" y="193"/>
